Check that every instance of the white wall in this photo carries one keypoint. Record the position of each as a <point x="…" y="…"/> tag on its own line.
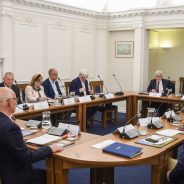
<point x="39" y="35"/>
<point x="121" y="67"/>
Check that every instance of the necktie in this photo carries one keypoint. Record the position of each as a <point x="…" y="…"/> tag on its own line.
<point x="157" y="87"/>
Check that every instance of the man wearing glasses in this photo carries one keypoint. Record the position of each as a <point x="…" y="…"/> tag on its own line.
<point x="160" y="85"/>
<point x="8" y="81"/>
<point x="80" y="87"/>
<point x="15" y="158"/>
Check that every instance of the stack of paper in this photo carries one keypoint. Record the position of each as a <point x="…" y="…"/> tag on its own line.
<point x="44" y="139"/>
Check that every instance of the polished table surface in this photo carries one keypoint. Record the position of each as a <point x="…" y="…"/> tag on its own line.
<point x="79" y="108"/>
<point x="84" y="155"/>
<point x="84" y="137"/>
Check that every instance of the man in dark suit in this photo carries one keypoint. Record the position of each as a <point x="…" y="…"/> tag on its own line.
<point x="51" y="85"/>
<point x="160" y="85"/>
<point x="8" y="80"/>
<point x="176" y="176"/>
<point x="15" y="158"/>
<point x="80" y="86"/>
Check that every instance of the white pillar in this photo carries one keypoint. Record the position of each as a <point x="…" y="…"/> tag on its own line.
<point x="141" y="50"/>
<point x="6" y="35"/>
<point x="102" y="43"/>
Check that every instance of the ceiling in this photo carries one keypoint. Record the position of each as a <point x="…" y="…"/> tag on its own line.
<point x="118" y="5"/>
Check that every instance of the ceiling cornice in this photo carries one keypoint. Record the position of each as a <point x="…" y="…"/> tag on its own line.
<point x="73" y="10"/>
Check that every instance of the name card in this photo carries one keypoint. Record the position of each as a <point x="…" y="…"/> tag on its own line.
<point x="41" y="105"/>
<point x="109" y="95"/>
<point x="86" y="98"/>
<point x="74" y="129"/>
<point x="155" y="94"/>
<point x="68" y="101"/>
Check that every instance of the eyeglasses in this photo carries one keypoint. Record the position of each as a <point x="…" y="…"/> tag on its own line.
<point x="158" y="76"/>
<point x="13" y="99"/>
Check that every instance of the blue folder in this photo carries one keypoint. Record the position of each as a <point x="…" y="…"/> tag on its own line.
<point x="124" y="150"/>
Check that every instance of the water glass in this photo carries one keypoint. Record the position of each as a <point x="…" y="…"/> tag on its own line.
<point x="72" y="94"/>
<point x="46" y="122"/>
<point x="143" y="128"/>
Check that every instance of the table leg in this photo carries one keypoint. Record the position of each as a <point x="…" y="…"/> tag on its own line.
<point x="102" y="175"/>
<point x="50" y="171"/>
<point x="84" y="117"/>
<point x="158" y="174"/>
<point x="61" y="175"/>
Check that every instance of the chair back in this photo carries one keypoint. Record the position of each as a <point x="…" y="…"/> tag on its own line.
<point x="96" y="86"/>
<point x="22" y="88"/>
<point x="67" y="87"/>
<point x="181" y="88"/>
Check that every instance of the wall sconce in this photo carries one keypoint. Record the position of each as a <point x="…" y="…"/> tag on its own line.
<point x="165" y="45"/>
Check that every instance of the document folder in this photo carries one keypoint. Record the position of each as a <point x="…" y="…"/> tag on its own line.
<point x="124" y="150"/>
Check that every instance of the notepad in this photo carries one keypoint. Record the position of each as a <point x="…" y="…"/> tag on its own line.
<point x="124" y="150"/>
<point x="44" y="139"/>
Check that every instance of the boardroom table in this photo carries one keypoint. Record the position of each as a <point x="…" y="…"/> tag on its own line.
<point x="79" y="108"/>
<point x="131" y="98"/>
<point x="102" y="100"/>
<point x="33" y="113"/>
<point x="145" y="98"/>
<point x="102" y="164"/>
<point x="50" y="164"/>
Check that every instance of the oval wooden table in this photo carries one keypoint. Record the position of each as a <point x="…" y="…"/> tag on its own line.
<point x="102" y="164"/>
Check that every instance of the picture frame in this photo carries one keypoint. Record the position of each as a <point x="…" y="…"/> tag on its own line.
<point x="124" y="49"/>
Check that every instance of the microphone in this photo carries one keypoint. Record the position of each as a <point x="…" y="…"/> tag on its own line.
<point x="156" y="124"/>
<point x="120" y="92"/>
<point x="24" y="107"/>
<point x="130" y="133"/>
<point x="103" y="84"/>
<point x="62" y="85"/>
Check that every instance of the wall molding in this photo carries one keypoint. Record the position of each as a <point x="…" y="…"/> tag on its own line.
<point x="89" y="13"/>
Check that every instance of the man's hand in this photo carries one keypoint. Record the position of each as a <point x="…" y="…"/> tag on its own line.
<point x="56" y="148"/>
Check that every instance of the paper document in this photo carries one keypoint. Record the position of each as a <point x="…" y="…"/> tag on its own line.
<point x="44" y="139"/>
<point x="103" y="144"/>
<point x="168" y="132"/>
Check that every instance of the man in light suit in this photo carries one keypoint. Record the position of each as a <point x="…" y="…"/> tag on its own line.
<point x="15" y="158"/>
<point x="160" y="85"/>
<point x="8" y="80"/>
<point x="80" y="86"/>
<point x="51" y="85"/>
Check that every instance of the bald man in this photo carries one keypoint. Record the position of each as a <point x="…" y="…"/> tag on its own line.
<point x="15" y="158"/>
<point x="8" y="81"/>
<point x="51" y="85"/>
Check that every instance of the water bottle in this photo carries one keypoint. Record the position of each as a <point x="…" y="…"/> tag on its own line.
<point x="46" y="122"/>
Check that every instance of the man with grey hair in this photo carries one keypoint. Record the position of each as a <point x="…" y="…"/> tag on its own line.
<point x="15" y="158"/>
<point x="80" y="86"/>
<point x="8" y="81"/>
<point x="160" y="85"/>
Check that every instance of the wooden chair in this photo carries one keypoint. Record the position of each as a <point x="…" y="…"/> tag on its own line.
<point x="108" y="109"/>
<point x="22" y="90"/>
<point x="181" y="86"/>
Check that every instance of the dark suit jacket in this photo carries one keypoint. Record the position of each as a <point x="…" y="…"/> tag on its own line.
<point x="15" y="158"/>
<point x="15" y="89"/>
<point x="166" y="84"/>
<point x="176" y="176"/>
<point x="76" y="85"/>
<point x="49" y="92"/>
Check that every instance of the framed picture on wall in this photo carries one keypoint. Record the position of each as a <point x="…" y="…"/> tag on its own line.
<point x="124" y="49"/>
